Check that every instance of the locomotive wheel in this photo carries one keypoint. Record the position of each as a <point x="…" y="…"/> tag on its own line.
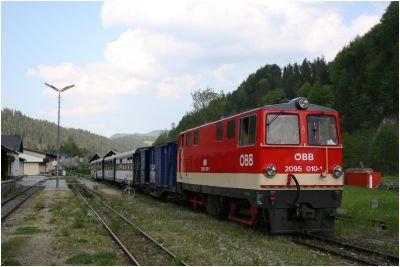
<point x="216" y="206"/>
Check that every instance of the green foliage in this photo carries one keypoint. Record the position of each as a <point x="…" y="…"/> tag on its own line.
<point x="356" y="148"/>
<point x="385" y="151"/>
<point x="133" y="141"/>
<point x="321" y="95"/>
<point x="72" y="149"/>
<point x="162" y="138"/>
<point x="42" y="135"/>
<point x="377" y="149"/>
<point x="273" y="97"/>
<point x="304" y="90"/>
<point x="365" y="74"/>
<point x="203" y="98"/>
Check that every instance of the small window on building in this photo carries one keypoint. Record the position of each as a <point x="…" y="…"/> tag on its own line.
<point x="188" y="139"/>
<point x="247" y="133"/>
<point x="220" y="131"/>
<point x="231" y="130"/>
<point x="196" y="138"/>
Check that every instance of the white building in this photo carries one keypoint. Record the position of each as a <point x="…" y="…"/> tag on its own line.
<point x="33" y="164"/>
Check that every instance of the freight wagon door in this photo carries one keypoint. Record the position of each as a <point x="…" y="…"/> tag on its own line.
<point x="180" y="154"/>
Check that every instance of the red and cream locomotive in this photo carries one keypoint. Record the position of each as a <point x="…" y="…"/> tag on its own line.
<point x="278" y="165"/>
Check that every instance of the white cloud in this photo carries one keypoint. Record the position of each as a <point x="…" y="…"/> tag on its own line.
<point x="363" y="24"/>
<point x="145" y="54"/>
<point x="172" y="87"/>
<point x="240" y="29"/>
<point x="171" y="47"/>
<point x="65" y="72"/>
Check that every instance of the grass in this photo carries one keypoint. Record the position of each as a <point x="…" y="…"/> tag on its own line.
<point x="28" y="230"/>
<point x="78" y="220"/>
<point x="79" y="230"/>
<point x="101" y="258"/>
<point x="202" y="240"/>
<point x="363" y="227"/>
<point x="76" y="233"/>
<point x="11" y="262"/>
<point x="356" y="201"/>
<point x="80" y="259"/>
<point x="39" y="206"/>
<point x="390" y="180"/>
<point x="11" y="247"/>
<point x="199" y="239"/>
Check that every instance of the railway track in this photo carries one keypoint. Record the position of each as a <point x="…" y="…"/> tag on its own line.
<point x="345" y="250"/>
<point x="140" y="247"/>
<point x="12" y="203"/>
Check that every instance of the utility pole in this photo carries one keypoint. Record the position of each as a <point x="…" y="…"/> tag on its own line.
<point x="58" y="128"/>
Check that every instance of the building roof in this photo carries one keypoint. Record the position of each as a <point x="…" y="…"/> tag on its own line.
<point x="45" y="154"/>
<point x="12" y="142"/>
<point x="96" y="156"/>
<point x="110" y="153"/>
<point x="30" y="158"/>
<point x="7" y="150"/>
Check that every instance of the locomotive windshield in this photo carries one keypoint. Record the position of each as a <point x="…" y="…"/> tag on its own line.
<point x="322" y="130"/>
<point x="282" y="129"/>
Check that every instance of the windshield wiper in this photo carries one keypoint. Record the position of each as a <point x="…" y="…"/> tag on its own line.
<point x="273" y="119"/>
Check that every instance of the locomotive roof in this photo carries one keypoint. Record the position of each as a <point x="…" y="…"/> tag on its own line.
<point x="291" y="105"/>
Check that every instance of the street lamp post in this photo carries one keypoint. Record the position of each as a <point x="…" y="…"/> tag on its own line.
<point x="58" y="128"/>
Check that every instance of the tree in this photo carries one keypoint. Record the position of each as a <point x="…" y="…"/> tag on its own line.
<point x="201" y="99"/>
<point x="304" y="90"/>
<point x="321" y="95"/>
<point x="162" y="138"/>
<point x="273" y="97"/>
<point x="385" y="151"/>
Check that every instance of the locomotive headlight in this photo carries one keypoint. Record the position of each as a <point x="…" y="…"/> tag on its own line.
<point x="270" y="171"/>
<point x="302" y="103"/>
<point x="337" y="172"/>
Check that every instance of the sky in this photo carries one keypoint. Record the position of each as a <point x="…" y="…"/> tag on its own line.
<point x="135" y="63"/>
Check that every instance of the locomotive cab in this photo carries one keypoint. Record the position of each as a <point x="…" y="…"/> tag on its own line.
<point x="302" y="158"/>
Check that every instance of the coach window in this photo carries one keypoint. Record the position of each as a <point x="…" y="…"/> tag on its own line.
<point x="231" y="130"/>
<point x="188" y="139"/>
<point x="247" y="131"/>
<point x="196" y="138"/>
<point x="220" y="131"/>
<point x="282" y="129"/>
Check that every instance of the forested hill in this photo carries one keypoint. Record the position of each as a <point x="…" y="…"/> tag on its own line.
<point x="362" y="83"/>
<point x="42" y="135"/>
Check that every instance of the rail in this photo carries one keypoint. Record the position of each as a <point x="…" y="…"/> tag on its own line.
<point x="172" y="258"/>
<point x="12" y="203"/>
<point x="346" y="250"/>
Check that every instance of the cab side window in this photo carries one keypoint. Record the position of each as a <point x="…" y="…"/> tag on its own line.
<point x="231" y="130"/>
<point x="247" y="131"/>
<point x="220" y="131"/>
<point x="188" y="139"/>
<point x="196" y="138"/>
